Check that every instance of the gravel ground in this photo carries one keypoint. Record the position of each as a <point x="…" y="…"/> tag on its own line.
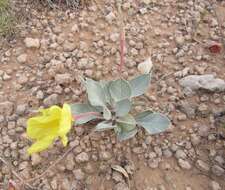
<point x="41" y="67"/>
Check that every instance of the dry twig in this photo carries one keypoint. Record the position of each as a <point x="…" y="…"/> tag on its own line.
<point x="15" y="173"/>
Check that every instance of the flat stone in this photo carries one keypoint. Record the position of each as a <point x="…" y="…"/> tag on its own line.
<point x="51" y="100"/>
<point x="32" y="42"/>
<point x="6" y="108"/>
<point x="179" y="39"/>
<point x="184" y="164"/>
<point x="35" y="159"/>
<point x="214" y="186"/>
<point x="180" y="154"/>
<point x="63" y="78"/>
<point x="138" y="150"/>
<point x="105" y="155"/>
<point x="203" y="130"/>
<point x="82" y="157"/>
<point x="21" y="109"/>
<point x="22" y="79"/>
<point x="188" y="109"/>
<point x="153" y="163"/>
<point x="206" y="82"/>
<point x="70" y="162"/>
<point x="201" y="165"/>
<point x="121" y="186"/>
<point x="217" y="170"/>
<point x="22" y="58"/>
<point x="110" y="17"/>
<point x="78" y="174"/>
<point x="68" y="46"/>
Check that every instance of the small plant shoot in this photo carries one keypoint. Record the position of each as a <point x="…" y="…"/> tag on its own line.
<point x="110" y="103"/>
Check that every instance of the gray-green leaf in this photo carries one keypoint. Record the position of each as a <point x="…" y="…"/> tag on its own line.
<point x="122" y="107"/>
<point x="126" y="123"/>
<point x="120" y="90"/>
<point x="78" y="109"/>
<point x="105" y="125"/>
<point x="140" y="84"/>
<point x="153" y="122"/>
<point x="96" y="95"/>
<point x="142" y="115"/>
<point x="124" y="135"/>
<point x="105" y="86"/>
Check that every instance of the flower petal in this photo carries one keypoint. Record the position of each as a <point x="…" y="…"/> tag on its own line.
<point x="64" y="140"/>
<point x="41" y="145"/>
<point x="45" y="125"/>
<point x="49" y="114"/>
<point x="66" y="120"/>
<point x="37" y="130"/>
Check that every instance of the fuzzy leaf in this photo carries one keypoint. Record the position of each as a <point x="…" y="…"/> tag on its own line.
<point x="105" y="86"/>
<point x="120" y="90"/>
<point x="126" y="123"/>
<point x="153" y="122"/>
<point x="105" y="125"/>
<point x="96" y="95"/>
<point x="140" y="84"/>
<point x="122" y="107"/>
<point x="78" y="109"/>
<point x="106" y="113"/>
<point x="124" y="135"/>
<point x="142" y="115"/>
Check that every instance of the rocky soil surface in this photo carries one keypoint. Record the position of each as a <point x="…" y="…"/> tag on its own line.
<point x="41" y="67"/>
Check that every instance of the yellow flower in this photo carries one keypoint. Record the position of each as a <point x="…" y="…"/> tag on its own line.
<point x="54" y="122"/>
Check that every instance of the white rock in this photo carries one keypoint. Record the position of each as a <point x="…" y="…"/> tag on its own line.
<point x="22" y="58"/>
<point x="79" y="174"/>
<point x="51" y="100"/>
<point x="6" y="108"/>
<point x="82" y="157"/>
<point x="121" y="186"/>
<point x="75" y="28"/>
<point x="68" y="46"/>
<point x="179" y="40"/>
<point x="214" y="185"/>
<point x="217" y="170"/>
<point x="114" y="37"/>
<point x="110" y="17"/>
<point x="70" y="162"/>
<point x="184" y="164"/>
<point x="147" y="2"/>
<point x="66" y="184"/>
<point x="105" y="155"/>
<point x="146" y="66"/>
<point x="35" y="159"/>
<point x="63" y="78"/>
<point x="143" y="10"/>
<point x="22" y="79"/>
<point x="32" y="42"/>
<point x="202" y="165"/>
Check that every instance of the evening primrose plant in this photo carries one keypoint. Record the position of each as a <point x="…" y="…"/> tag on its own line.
<point x="108" y="103"/>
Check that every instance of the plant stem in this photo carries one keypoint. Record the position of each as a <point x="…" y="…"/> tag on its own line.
<point x="15" y="173"/>
<point x="79" y="116"/>
<point x="122" y="38"/>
